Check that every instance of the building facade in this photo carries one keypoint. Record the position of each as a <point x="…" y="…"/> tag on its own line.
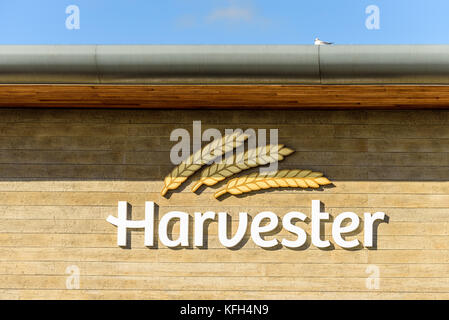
<point x="69" y="152"/>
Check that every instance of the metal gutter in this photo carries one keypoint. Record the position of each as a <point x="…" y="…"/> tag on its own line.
<point x="225" y="64"/>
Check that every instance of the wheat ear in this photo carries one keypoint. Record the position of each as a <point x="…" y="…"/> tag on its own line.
<point x="195" y="161"/>
<point x="283" y="178"/>
<point x="241" y="161"/>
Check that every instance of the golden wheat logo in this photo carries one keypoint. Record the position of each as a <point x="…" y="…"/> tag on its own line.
<point x="211" y="151"/>
<point x="279" y="179"/>
<point x="239" y="162"/>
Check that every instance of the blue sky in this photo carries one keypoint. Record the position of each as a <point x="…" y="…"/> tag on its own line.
<point x="224" y="22"/>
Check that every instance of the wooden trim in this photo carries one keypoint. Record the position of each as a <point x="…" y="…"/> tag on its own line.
<point x="226" y="96"/>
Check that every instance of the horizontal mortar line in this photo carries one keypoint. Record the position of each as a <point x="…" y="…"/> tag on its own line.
<point x="165" y="150"/>
<point x="114" y="207"/>
<point x="337" y="165"/>
<point x="219" y="249"/>
<point x="321" y="137"/>
<point x="235" y="220"/>
<point x="216" y="236"/>
<point x="120" y="149"/>
<point x="244" y="263"/>
<point x="61" y="233"/>
<point x="219" y="262"/>
<point x="126" y="126"/>
<point x="222" y="249"/>
<point x="299" y="192"/>
<point x="338" y="139"/>
<point x="127" y="138"/>
<point x="159" y="178"/>
<point x="96" y="164"/>
<point x="208" y="207"/>
<point x="292" y="126"/>
<point x="68" y="178"/>
<point x="218" y="204"/>
<point x="82" y="150"/>
<point x="175" y="122"/>
<point x="215" y="204"/>
<point x="140" y="232"/>
<point x="212" y="220"/>
<point x="210" y="276"/>
<point x="225" y="290"/>
<point x="168" y="151"/>
<point x="283" y="122"/>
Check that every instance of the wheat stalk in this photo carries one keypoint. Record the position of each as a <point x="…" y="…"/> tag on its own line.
<point x="242" y="161"/>
<point x="278" y="179"/>
<point x="195" y="161"/>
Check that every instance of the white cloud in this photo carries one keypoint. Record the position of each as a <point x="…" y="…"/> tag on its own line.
<point x="231" y="14"/>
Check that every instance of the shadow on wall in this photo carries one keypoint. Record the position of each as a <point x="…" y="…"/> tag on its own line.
<point x="134" y="145"/>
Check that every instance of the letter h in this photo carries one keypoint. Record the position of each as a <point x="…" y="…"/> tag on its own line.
<point x="123" y="224"/>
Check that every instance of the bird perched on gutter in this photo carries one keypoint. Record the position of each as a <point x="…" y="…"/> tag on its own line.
<point x="318" y="42"/>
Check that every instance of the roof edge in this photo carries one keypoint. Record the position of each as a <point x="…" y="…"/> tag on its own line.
<point x="224" y="64"/>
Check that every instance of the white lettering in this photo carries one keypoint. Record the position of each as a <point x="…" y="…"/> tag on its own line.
<point x="183" y="238"/>
<point x="317" y="216"/>
<point x="369" y="226"/>
<point x="337" y="229"/>
<point x="223" y="229"/>
<point x="199" y="226"/>
<point x="257" y="228"/>
<point x="289" y="226"/>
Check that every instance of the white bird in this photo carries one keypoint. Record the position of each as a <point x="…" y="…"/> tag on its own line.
<point x="318" y="42"/>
